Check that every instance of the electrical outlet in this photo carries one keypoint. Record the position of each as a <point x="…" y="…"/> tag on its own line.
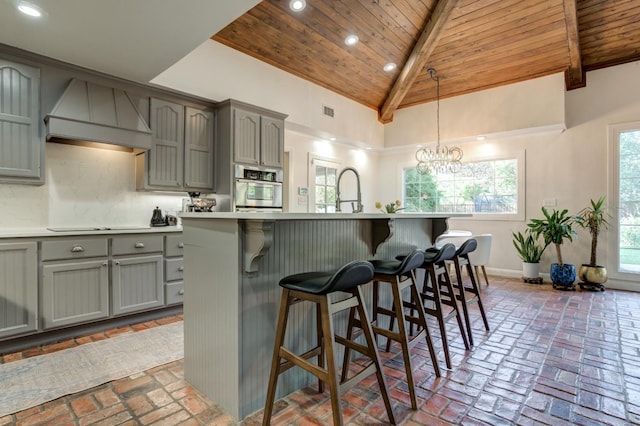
<point x="549" y="202"/>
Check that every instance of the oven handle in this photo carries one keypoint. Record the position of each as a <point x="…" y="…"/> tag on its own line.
<point x="262" y="182"/>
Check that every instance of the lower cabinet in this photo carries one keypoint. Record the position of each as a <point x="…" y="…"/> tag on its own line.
<point x="174" y="269"/>
<point x="138" y="283"/>
<point x="74" y="292"/>
<point x="74" y="285"/>
<point x="18" y="288"/>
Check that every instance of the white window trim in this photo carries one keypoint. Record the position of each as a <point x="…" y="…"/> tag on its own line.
<point x="520" y="157"/>
<point x="613" y="173"/>
<point x="311" y="175"/>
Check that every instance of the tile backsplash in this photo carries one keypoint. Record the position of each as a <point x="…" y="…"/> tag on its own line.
<point x="84" y="187"/>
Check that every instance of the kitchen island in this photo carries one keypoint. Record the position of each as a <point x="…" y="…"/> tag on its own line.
<point x="233" y="263"/>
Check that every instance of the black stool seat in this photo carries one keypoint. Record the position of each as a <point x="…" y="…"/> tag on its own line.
<point x="316" y="287"/>
<point x="400" y="275"/>
<point x="346" y="278"/>
<point x="461" y="259"/>
<point x="438" y="291"/>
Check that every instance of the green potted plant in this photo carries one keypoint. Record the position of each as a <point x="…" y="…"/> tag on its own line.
<point x="530" y="250"/>
<point x="555" y="228"/>
<point x="595" y="219"/>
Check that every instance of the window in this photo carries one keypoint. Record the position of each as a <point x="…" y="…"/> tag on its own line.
<point x="487" y="188"/>
<point x="323" y="175"/>
<point x="625" y="194"/>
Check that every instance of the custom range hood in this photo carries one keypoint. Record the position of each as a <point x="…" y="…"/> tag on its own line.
<point x="91" y="115"/>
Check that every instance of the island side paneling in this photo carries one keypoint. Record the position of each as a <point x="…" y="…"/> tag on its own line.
<point x="297" y="246"/>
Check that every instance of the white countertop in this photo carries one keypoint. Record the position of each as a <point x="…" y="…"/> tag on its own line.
<point x="317" y="216"/>
<point x="84" y="230"/>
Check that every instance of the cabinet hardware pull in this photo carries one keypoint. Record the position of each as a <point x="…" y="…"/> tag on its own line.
<point x="180" y="245"/>
<point x="181" y="292"/>
<point x="139" y="245"/>
<point x="117" y="262"/>
<point x="105" y="264"/>
<point x="181" y="268"/>
<point x="77" y="249"/>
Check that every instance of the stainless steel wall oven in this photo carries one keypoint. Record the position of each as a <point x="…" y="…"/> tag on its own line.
<point x="257" y="189"/>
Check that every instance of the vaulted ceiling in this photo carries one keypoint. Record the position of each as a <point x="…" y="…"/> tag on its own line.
<point x="472" y="44"/>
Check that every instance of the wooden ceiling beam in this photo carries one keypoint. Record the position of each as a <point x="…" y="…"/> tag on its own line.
<point x="418" y="58"/>
<point x="574" y="75"/>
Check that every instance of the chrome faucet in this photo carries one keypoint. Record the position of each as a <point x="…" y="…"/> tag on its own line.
<point x="359" y="200"/>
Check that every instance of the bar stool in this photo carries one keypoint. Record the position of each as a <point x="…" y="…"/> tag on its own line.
<point x="438" y="290"/>
<point x="400" y="274"/>
<point x="315" y="287"/>
<point x="480" y="256"/>
<point x="461" y="259"/>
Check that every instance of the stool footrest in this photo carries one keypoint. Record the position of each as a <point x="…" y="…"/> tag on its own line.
<point x="301" y="361"/>
<point x="346" y="385"/>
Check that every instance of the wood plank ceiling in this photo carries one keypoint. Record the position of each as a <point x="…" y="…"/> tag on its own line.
<point x="472" y="44"/>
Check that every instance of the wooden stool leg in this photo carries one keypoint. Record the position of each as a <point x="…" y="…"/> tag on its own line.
<point x="417" y="301"/>
<point x="449" y="286"/>
<point x="475" y="289"/>
<point x="283" y="315"/>
<point x="332" y="374"/>
<point x="320" y="343"/>
<point x="439" y="315"/>
<point x="484" y="272"/>
<point x="404" y="340"/>
<point x="463" y="298"/>
<point x="374" y="354"/>
<point x="346" y="359"/>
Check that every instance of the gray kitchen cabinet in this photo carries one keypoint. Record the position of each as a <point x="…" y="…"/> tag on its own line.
<point x="182" y="154"/>
<point x="174" y="269"/>
<point x="21" y="146"/>
<point x="74" y="292"/>
<point x="199" y="149"/>
<point x="256" y="134"/>
<point x="18" y="288"/>
<point x="272" y="142"/>
<point x="137" y="273"/>
<point x="166" y="157"/>
<point x="74" y="285"/>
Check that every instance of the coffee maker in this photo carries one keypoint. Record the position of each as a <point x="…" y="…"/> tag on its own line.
<point x="198" y="204"/>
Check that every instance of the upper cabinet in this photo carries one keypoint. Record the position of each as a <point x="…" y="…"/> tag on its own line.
<point x="21" y="147"/>
<point x="256" y="134"/>
<point x="181" y="155"/>
<point x="198" y="148"/>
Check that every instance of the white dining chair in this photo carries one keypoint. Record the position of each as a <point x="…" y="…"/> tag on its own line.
<point x="480" y="256"/>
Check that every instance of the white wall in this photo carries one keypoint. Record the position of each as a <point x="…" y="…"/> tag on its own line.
<point x="84" y="187"/>
<point x="570" y="166"/>
<point x="218" y="72"/>
<point x="300" y="146"/>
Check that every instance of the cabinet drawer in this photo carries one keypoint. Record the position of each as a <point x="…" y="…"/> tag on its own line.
<point x="173" y="269"/>
<point x="174" y="293"/>
<point x="174" y="245"/>
<point x="137" y="244"/>
<point x="74" y="248"/>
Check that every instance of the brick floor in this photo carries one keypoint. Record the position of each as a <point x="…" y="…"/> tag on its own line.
<point x="551" y="358"/>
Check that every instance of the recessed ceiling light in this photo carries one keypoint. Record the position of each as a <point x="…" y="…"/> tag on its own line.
<point x="332" y="139"/>
<point x="481" y="138"/>
<point x="390" y="67"/>
<point x="297" y="5"/>
<point x="351" y="40"/>
<point x="30" y="9"/>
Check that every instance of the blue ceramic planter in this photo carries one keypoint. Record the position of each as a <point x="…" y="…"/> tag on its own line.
<point x="563" y="275"/>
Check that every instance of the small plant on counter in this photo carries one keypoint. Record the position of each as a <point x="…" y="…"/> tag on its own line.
<point x="389" y="208"/>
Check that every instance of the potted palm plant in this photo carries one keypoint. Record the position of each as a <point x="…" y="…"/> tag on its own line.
<point x="555" y="228"/>
<point x="594" y="218"/>
<point x="530" y="250"/>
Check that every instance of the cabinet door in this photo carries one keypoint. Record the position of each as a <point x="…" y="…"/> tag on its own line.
<point x="138" y="283"/>
<point x="272" y="142"/>
<point x="18" y="288"/>
<point x="20" y="142"/>
<point x="166" y="155"/>
<point x="74" y="292"/>
<point x="246" y="134"/>
<point x="198" y="149"/>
